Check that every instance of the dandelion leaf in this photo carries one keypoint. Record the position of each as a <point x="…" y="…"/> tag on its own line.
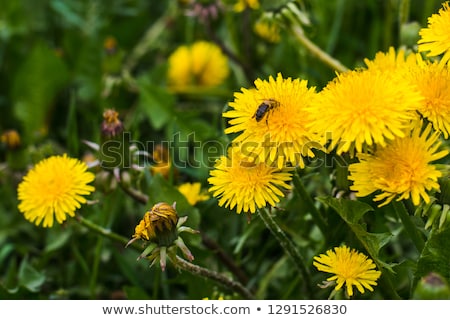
<point x="352" y="212"/>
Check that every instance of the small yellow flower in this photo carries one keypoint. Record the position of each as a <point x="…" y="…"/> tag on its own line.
<point x="246" y="185"/>
<point x="162" y="164"/>
<point x="435" y="38"/>
<point x="273" y="120"/>
<point x="192" y="192"/>
<point x="349" y="267"/>
<point x="11" y="139"/>
<point x="201" y="64"/>
<point x="110" y="45"/>
<point x="364" y="107"/>
<point x="241" y="5"/>
<point x="54" y="188"/>
<point x="402" y="168"/>
<point x="269" y="31"/>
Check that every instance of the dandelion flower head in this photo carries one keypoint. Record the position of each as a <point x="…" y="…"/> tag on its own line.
<point x="349" y="267"/>
<point x="201" y="64"/>
<point x="54" y="189"/>
<point x="272" y="119"/>
<point x="435" y="38"/>
<point x="363" y="107"/>
<point x="246" y="185"/>
<point x="433" y="81"/>
<point x="401" y="169"/>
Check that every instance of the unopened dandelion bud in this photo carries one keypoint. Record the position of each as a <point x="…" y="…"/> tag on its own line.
<point x="11" y="139"/>
<point x="115" y="144"/>
<point x="161" y="226"/>
<point x="432" y="287"/>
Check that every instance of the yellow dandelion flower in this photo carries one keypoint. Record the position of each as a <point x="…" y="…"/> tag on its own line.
<point x="273" y="120"/>
<point x="246" y="185"/>
<point x="433" y="81"/>
<point x="241" y="5"/>
<point x="54" y="188"/>
<point x="200" y="65"/>
<point x="349" y="267"/>
<point x="393" y="61"/>
<point x="435" y="38"/>
<point x="363" y="107"/>
<point x="269" y="31"/>
<point x="192" y="192"/>
<point x="402" y="168"/>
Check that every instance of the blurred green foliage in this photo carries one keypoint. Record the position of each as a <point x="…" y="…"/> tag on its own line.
<point x="57" y="77"/>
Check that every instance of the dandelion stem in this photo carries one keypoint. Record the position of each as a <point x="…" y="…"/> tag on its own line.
<point x="409" y="225"/>
<point x="101" y="231"/>
<point x="288" y="246"/>
<point x="316" y="51"/>
<point x="181" y="263"/>
<point x="212" y="275"/>
<point x="301" y="191"/>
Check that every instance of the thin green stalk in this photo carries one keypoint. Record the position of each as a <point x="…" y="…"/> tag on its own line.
<point x="95" y="268"/>
<point x="212" y="275"/>
<point x="409" y="225"/>
<point x="101" y="231"/>
<point x="317" y="51"/>
<point x="301" y="192"/>
<point x="288" y="247"/>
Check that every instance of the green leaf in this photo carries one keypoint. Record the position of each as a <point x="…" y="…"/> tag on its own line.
<point x="435" y="256"/>
<point x="56" y="240"/>
<point x="352" y="212"/>
<point x="29" y="277"/>
<point x="156" y="102"/>
<point x="35" y="86"/>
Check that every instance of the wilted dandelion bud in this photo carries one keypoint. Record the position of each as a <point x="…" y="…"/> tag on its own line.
<point x="111" y="125"/>
<point x="161" y="226"/>
<point x="115" y="144"/>
<point x="110" y="45"/>
<point x="164" y="218"/>
<point x="11" y="139"/>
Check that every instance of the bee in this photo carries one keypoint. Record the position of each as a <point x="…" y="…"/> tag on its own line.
<point x="264" y="108"/>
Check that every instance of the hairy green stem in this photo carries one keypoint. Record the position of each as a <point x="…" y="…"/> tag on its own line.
<point x="101" y="231"/>
<point x="181" y="263"/>
<point x="317" y="51"/>
<point x="288" y="246"/>
<point x="212" y="275"/>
